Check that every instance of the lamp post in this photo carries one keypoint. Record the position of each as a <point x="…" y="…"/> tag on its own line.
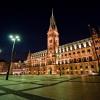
<point x="0" y="50"/>
<point x="14" y="39"/>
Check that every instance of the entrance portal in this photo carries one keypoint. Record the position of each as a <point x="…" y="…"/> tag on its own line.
<point x="50" y="71"/>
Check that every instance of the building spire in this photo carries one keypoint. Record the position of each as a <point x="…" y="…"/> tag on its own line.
<point x="29" y="54"/>
<point x="92" y="30"/>
<point x="52" y="22"/>
<point x="52" y="12"/>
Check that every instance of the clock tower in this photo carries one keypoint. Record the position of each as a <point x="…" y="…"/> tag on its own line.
<point x="52" y="40"/>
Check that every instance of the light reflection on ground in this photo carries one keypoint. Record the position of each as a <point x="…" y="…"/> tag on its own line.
<point x="50" y="87"/>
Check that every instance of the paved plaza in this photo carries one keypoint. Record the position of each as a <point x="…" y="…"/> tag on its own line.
<point x="50" y="87"/>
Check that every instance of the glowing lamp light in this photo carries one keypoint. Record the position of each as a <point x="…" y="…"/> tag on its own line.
<point x="0" y="50"/>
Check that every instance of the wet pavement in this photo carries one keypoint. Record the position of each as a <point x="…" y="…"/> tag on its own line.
<point x="50" y="88"/>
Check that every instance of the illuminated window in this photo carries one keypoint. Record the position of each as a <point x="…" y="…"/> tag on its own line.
<point x="59" y="50"/>
<point x="75" y="46"/>
<point x="84" y="44"/>
<point x="89" y="43"/>
<point x="66" y="48"/>
<point x="79" y="45"/>
<point x="70" y="47"/>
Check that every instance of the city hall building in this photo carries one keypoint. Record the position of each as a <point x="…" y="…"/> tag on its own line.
<point x="79" y="57"/>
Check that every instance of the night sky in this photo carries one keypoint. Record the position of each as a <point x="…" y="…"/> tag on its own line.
<point x="31" y="22"/>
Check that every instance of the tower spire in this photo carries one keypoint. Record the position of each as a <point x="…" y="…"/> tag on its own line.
<point x="52" y="12"/>
<point x="52" y="22"/>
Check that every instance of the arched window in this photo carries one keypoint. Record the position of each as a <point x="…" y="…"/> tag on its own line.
<point x="75" y="61"/>
<point x="73" y="47"/>
<point x="82" y="45"/>
<point x="87" y="44"/>
<point x="79" y="59"/>
<point x="90" y="58"/>
<point x="84" y="59"/>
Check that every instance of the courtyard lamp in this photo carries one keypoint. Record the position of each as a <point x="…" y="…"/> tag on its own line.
<point x="0" y="50"/>
<point x="14" y="39"/>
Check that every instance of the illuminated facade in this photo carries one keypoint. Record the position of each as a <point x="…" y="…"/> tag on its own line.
<point x="79" y="57"/>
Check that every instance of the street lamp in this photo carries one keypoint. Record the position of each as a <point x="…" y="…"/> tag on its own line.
<point x="14" y="39"/>
<point x="0" y="50"/>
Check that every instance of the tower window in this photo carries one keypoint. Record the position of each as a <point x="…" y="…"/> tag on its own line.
<point x="50" y="41"/>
